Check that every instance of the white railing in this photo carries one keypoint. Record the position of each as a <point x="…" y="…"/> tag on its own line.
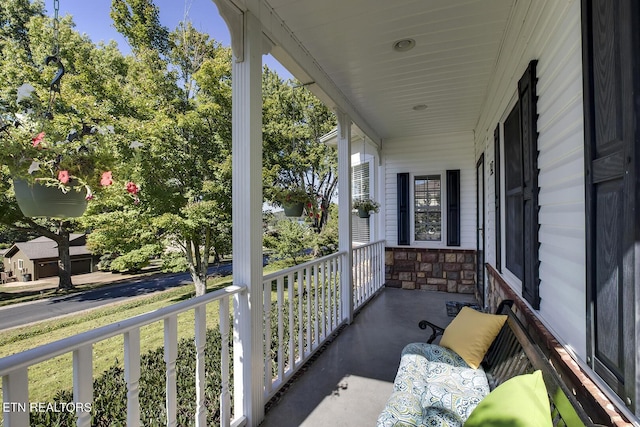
<point x="368" y="272"/>
<point x="302" y="309"/>
<point x="14" y="369"/>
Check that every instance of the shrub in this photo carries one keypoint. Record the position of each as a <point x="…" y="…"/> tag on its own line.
<point x="110" y="390"/>
<point x="137" y="259"/>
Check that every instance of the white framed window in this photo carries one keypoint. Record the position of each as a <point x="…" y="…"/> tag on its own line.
<point x="20" y="264"/>
<point x="428" y="202"/>
<point x="429" y="208"/>
<point x="360" y="185"/>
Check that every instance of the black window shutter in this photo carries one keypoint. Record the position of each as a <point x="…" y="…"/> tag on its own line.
<point x="612" y="168"/>
<point x="453" y="207"/>
<point x="496" y="171"/>
<point x="529" y="135"/>
<point x="513" y="226"/>
<point x="404" y="222"/>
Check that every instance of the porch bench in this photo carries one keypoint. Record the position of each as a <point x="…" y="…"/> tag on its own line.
<point x="434" y="386"/>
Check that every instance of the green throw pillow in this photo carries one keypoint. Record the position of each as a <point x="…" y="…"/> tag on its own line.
<point x="521" y="401"/>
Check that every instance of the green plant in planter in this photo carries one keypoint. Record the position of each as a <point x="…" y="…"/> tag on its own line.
<point x="365" y="207"/>
<point x="294" y="200"/>
<point x="60" y="151"/>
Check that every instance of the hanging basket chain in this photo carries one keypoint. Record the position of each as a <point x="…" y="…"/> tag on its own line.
<point x="55" y="51"/>
<point x="55" y="58"/>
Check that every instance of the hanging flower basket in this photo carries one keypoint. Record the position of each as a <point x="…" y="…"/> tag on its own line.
<point x="293" y="200"/>
<point x="39" y="200"/>
<point x="365" y="207"/>
<point x="293" y="209"/>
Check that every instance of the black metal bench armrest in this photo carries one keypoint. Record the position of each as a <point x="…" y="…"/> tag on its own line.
<point x="435" y="330"/>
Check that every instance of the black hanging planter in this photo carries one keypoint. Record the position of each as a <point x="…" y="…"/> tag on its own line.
<point x="363" y="213"/>
<point x="293" y="209"/>
<point x="39" y="200"/>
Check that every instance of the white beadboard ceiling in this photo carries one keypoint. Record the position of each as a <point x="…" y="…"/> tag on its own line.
<point x="457" y="46"/>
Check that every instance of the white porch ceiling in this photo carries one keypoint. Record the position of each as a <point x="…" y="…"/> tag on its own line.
<point x="457" y="47"/>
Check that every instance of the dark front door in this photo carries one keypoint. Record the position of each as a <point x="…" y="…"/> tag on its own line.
<point x="480" y="287"/>
<point x="611" y="74"/>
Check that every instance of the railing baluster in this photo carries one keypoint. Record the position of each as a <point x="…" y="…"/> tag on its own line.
<point x="324" y="301"/>
<point x="225" y="396"/>
<point x="316" y="306"/>
<point x="200" y="314"/>
<point x="363" y="275"/>
<point x="170" y="356"/>
<point x="335" y="280"/>
<point x="132" y="375"/>
<point x="268" y="360"/>
<point x="291" y="284"/>
<point x="339" y="284"/>
<point x="301" y="322"/>
<point x="15" y="391"/>
<point x="308" y="322"/>
<point x="83" y="381"/>
<point x="327" y="300"/>
<point x="358" y="272"/>
<point x="369" y="258"/>
<point x="280" y="297"/>
<point x="380" y="266"/>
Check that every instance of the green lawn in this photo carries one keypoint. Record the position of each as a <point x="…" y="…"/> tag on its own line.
<point x="48" y="377"/>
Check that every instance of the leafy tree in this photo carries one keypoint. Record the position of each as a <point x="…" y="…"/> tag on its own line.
<point x="139" y="22"/>
<point x="14" y="19"/>
<point x="294" y="120"/>
<point x="326" y="241"/>
<point x="289" y="240"/>
<point x="184" y="167"/>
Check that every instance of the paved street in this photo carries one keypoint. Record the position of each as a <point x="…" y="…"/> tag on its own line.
<point x="22" y="314"/>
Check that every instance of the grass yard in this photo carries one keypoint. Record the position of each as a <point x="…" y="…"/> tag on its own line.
<point x="47" y="378"/>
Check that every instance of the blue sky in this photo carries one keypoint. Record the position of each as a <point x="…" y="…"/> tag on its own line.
<point x="92" y="17"/>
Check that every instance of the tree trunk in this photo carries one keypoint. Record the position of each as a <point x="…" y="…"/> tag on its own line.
<point x="201" y="287"/>
<point x="64" y="262"/>
<point x="194" y="261"/>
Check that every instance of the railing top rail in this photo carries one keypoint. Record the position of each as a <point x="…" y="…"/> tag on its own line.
<point x="302" y="266"/>
<point x="48" y="351"/>
<point x="377" y="242"/>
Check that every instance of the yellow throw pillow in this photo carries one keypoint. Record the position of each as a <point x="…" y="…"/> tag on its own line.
<point x="471" y="333"/>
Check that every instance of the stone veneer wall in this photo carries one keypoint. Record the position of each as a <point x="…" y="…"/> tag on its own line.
<point x="593" y="400"/>
<point x="446" y="270"/>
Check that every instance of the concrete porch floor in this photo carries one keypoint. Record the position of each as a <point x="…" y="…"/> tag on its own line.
<point x="350" y="381"/>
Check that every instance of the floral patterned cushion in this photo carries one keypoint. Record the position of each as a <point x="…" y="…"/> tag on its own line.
<point x="433" y="387"/>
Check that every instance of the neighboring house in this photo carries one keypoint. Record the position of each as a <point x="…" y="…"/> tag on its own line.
<point x="38" y="258"/>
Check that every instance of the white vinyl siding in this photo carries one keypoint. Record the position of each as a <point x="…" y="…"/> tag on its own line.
<point x="551" y="34"/>
<point x="427" y="155"/>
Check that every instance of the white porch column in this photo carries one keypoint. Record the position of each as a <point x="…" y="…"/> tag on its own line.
<point x="247" y="221"/>
<point x="344" y="213"/>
